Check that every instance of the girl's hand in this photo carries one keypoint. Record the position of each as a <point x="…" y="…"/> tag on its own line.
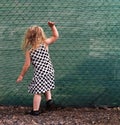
<point x="19" y="79"/>
<point x="51" y="24"/>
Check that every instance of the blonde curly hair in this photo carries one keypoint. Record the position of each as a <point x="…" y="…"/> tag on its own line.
<point x="34" y="36"/>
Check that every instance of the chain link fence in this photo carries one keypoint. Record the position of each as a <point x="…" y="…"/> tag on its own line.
<point x="86" y="57"/>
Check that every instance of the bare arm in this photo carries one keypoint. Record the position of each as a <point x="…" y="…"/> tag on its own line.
<point x="55" y="34"/>
<point x="25" y="66"/>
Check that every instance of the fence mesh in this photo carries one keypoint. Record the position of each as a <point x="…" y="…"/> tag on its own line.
<point x="86" y="57"/>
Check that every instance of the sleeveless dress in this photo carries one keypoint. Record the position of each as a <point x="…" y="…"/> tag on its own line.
<point x="43" y="78"/>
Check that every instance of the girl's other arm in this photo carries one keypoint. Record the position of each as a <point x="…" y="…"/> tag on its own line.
<point x="25" y="66"/>
<point x="55" y="34"/>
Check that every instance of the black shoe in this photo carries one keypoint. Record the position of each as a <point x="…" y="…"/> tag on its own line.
<point x="50" y="105"/>
<point x="35" y="113"/>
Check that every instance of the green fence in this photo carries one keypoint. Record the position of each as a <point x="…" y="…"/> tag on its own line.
<point x="86" y="57"/>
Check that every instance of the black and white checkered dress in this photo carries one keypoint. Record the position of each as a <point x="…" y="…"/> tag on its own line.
<point x="43" y="79"/>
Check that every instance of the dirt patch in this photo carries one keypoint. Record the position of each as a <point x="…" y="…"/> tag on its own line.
<point x="61" y="116"/>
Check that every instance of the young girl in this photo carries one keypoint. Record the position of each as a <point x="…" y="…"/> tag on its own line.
<point x="36" y="46"/>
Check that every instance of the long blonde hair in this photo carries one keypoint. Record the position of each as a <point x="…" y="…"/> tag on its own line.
<point x="34" y="36"/>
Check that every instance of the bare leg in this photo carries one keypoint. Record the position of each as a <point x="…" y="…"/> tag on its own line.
<point x="49" y="102"/>
<point x="36" y="102"/>
<point x="48" y="95"/>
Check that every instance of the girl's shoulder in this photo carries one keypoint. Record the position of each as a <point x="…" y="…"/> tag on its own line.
<point x="29" y="50"/>
<point x="45" y="45"/>
<point x="38" y="48"/>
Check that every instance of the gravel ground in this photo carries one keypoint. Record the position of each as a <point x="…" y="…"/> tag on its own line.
<point x="61" y="116"/>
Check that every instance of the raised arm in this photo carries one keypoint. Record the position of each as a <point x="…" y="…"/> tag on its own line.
<point x="55" y="34"/>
